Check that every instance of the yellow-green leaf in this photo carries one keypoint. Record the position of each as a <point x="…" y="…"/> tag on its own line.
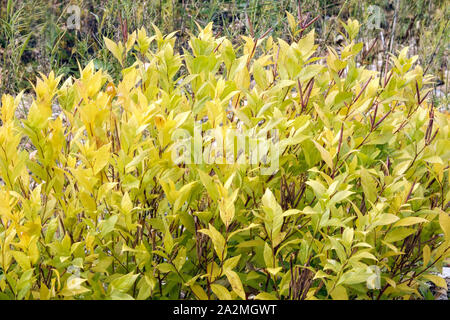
<point x="236" y="283"/>
<point x="220" y="291"/>
<point x="409" y="221"/>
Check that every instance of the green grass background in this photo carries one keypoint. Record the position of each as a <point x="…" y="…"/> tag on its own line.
<point x="34" y="36"/>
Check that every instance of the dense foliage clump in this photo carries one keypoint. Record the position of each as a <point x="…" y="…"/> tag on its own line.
<point x="124" y="188"/>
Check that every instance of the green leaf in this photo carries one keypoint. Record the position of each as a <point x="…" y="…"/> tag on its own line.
<point x="73" y="287"/>
<point x="123" y="283"/>
<point x="437" y="280"/>
<point x="117" y="295"/>
<point x="444" y="221"/>
<point x="108" y="225"/>
<point x="166" y="267"/>
<point x="180" y="259"/>
<point x="398" y="234"/>
<point x="236" y="283"/>
<point x="309" y="72"/>
<point x="101" y="158"/>
<point x="339" y="293"/>
<point x="365" y="255"/>
<point x="340" y="195"/>
<point x="126" y="203"/>
<point x="231" y="263"/>
<point x="199" y="292"/>
<point x="339" y="249"/>
<point x="274" y="214"/>
<point x="221" y="292"/>
<point x="292" y="22"/>
<point x="218" y="241"/>
<point x="386" y="219"/>
<point x="209" y="185"/>
<point x="409" y="221"/>
<point x="268" y="256"/>
<point x="369" y="185"/>
<point x="265" y="296"/>
<point x="183" y="195"/>
<point x="325" y="155"/>
<point x="136" y="161"/>
<point x="347" y="236"/>
<point x="318" y="188"/>
<point x="116" y="49"/>
<point x="22" y="259"/>
<point x="260" y="75"/>
<point x="426" y="255"/>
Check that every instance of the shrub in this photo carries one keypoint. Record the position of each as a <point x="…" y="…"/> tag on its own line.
<point x="336" y="186"/>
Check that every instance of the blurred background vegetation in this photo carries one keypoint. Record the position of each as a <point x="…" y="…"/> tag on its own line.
<point x="34" y="36"/>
